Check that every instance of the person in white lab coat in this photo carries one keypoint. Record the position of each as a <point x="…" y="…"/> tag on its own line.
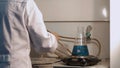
<point x="21" y="23"/>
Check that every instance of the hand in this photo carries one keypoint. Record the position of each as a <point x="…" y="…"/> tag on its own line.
<point x="55" y="34"/>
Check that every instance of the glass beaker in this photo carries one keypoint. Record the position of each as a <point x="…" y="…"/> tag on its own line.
<point x="80" y="47"/>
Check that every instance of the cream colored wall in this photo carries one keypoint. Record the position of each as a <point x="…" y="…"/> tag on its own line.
<point x="74" y="10"/>
<point x="65" y="23"/>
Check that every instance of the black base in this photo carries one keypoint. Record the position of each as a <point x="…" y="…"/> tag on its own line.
<point x="81" y="61"/>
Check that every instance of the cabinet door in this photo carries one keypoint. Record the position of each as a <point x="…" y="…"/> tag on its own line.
<point x="74" y="10"/>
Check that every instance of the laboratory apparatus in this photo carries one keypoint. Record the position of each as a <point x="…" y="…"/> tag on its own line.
<point x="80" y="54"/>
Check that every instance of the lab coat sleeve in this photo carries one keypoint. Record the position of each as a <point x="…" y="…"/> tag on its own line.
<point x="42" y="40"/>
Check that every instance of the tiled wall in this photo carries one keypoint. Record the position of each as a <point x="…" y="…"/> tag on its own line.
<point x="100" y="31"/>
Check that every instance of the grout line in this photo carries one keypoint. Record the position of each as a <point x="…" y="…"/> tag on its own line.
<point x="74" y="21"/>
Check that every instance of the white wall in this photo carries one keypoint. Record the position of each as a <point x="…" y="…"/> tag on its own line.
<point x="63" y="16"/>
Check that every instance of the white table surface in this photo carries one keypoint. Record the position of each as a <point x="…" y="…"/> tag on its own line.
<point x="105" y="63"/>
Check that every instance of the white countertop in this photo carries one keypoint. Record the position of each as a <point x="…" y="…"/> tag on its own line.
<point x="105" y="63"/>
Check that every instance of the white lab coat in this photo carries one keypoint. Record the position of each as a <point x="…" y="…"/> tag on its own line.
<point x="21" y="23"/>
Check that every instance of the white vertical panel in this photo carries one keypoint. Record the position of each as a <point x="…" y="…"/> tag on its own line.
<point x="74" y="10"/>
<point x="115" y="34"/>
